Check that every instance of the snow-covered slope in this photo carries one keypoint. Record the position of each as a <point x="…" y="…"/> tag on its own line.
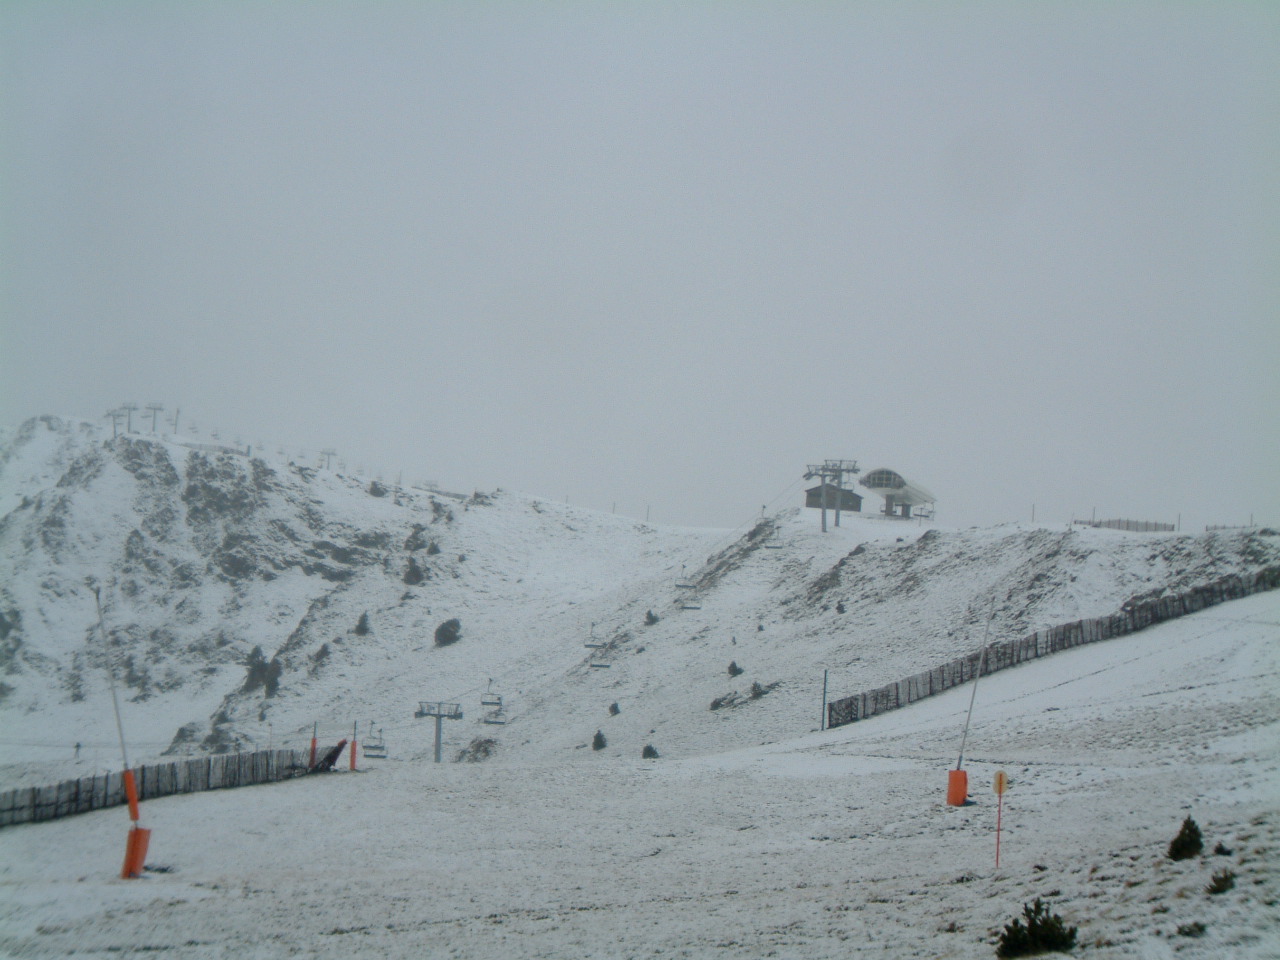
<point x="828" y="844"/>
<point x="246" y="601"/>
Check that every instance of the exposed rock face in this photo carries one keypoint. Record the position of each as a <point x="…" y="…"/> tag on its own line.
<point x="244" y="600"/>
<point x="188" y="549"/>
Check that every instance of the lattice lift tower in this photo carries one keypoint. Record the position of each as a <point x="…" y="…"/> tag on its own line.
<point x="832" y="470"/>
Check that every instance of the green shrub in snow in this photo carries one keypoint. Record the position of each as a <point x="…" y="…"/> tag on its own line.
<point x="449" y="632"/>
<point x="1039" y="930"/>
<point x="1188" y="843"/>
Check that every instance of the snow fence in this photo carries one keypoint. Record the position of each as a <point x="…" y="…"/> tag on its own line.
<point x="28" y="804"/>
<point x="1134" y="615"/>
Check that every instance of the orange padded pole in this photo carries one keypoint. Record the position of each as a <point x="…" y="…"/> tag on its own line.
<point x="131" y="794"/>
<point x="135" y="853"/>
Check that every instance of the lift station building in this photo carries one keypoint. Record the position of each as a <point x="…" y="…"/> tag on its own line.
<point x="900" y="497"/>
<point x="831" y="496"/>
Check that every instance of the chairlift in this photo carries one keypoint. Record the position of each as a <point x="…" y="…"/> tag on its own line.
<point x="690" y="606"/>
<point x="491" y="699"/>
<point x="601" y="666"/>
<point x="375" y="749"/>
<point x="495" y="717"/>
<point x="594" y="645"/>
<point x="685" y="585"/>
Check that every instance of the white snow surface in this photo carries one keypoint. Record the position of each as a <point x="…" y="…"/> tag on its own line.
<point x="828" y="844"/>
<point x="753" y="834"/>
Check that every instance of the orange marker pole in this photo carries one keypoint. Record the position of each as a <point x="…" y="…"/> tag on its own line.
<point x="313" y="746"/>
<point x="131" y="794"/>
<point x="354" y="728"/>
<point x="135" y="851"/>
<point x="1001" y="784"/>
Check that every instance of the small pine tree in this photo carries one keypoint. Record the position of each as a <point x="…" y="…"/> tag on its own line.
<point x="650" y="618"/>
<point x="734" y="669"/>
<point x="412" y="573"/>
<point x="1042" y="932"/>
<point x="362" y="625"/>
<point x="614" y="709"/>
<point x="649" y="752"/>
<point x="271" y="685"/>
<point x="256" y="672"/>
<point x="1188" y="843"/>
<point x="598" y="742"/>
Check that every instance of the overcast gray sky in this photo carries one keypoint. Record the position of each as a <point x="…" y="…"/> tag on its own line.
<point x="663" y="255"/>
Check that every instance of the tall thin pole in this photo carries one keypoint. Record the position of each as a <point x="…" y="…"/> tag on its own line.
<point x="824" y="701"/>
<point x="982" y="658"/>
<point x="999" y="813"/>
<point x="111" y="675"/>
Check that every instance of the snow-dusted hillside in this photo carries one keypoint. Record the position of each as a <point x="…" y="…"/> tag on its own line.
<point x="233" y="593"/>
<point x="826" y="845"/>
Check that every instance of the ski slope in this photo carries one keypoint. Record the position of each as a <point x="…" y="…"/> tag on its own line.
<point x="831" y="844"/>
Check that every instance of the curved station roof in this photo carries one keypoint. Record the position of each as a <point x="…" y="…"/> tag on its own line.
<point x="891" y="484"/>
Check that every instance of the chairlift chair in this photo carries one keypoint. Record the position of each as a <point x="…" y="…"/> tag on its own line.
<point x="491" y="699"/>
<point x="376" y="749"/>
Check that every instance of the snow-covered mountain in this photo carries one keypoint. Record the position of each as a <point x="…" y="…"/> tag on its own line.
<point x="245" y="601"/>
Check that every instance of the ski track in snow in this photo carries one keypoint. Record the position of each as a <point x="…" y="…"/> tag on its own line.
<point x="828" y="844"/>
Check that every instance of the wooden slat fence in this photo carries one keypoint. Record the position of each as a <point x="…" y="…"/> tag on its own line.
<point x="28" y="804"/>
<point x="1042" y="643"/>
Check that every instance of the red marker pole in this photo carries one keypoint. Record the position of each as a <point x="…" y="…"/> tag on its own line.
<point x="313" y="746"/>
<point x="354" y="728"/>
<point x="1001" y="784"/>
<point x="135" y="851"/>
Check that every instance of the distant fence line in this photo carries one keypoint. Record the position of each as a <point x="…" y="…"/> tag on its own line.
<point x="28" y="804"/>
<point x="1132" y="617"/>
<point x="1135" y="526"/>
